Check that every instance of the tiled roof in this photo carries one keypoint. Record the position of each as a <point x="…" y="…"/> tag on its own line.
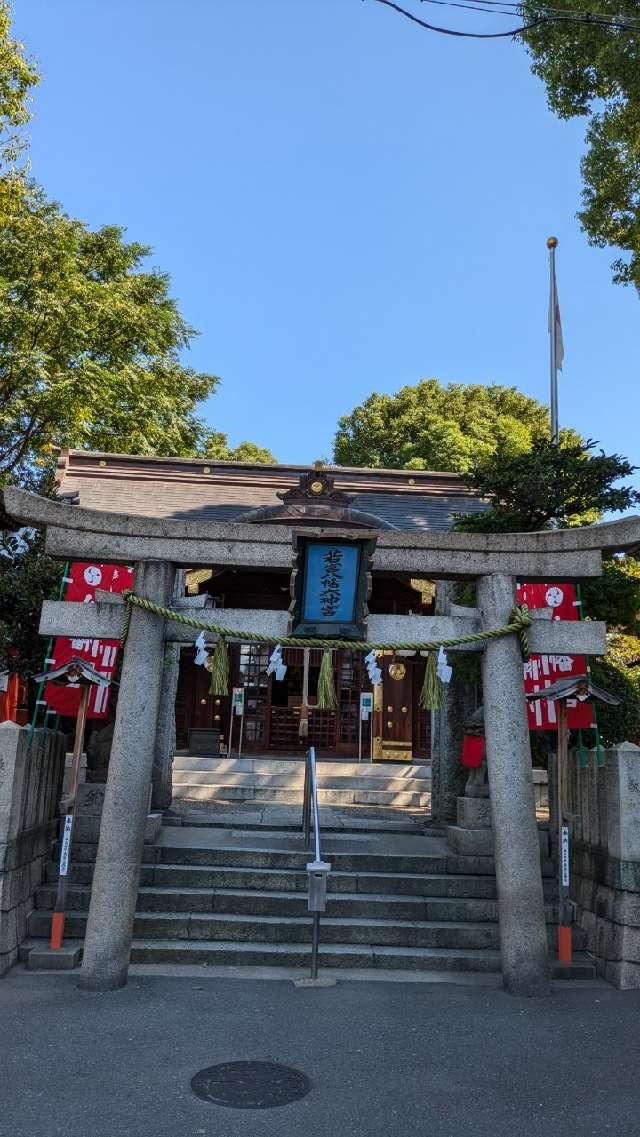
<point x="223" y="491"/>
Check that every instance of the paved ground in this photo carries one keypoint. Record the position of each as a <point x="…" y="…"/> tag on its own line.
<point x="385" y="1059"/>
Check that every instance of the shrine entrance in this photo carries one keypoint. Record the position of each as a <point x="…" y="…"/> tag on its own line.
<point x="158" y="623"/>
<point x="272" y="708"/>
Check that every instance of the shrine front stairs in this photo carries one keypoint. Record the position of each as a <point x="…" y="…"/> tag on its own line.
<point x="281" y="780"/>
<point x="398" y="901"/>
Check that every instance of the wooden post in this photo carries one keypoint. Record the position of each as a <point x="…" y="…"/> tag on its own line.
<point x="59" y="911"/>
<point x="304" y="707"/>
<point x="565" y="953"/>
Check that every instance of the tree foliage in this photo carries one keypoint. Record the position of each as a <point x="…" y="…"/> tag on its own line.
<point x="594" y="71"/>
<point x="18" y="75"/>
<point x="615" y="597"/>
<point x="89" y="343"/>
<point x="562" y="486"/>
<point x="433" y="427"/>
<point x="27" y="577"/>
<point x="217" y="448"/>
<point x="91" y="355"/>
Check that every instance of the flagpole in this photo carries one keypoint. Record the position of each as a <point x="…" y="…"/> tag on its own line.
<point x="552" y="244"/>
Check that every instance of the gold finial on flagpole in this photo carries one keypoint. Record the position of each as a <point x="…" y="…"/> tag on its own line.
<point x="552" y="242"/>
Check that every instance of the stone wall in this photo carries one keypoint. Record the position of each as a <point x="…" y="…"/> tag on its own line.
<point x="605" y="860"/>
<point x="31" y="774"/>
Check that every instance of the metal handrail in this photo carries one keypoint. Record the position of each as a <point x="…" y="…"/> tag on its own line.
<point x="317" y="869"/>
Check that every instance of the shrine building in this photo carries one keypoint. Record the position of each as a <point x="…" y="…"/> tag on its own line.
<point x="343" y="499"/>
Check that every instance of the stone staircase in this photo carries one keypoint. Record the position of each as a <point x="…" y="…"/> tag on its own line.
<point x="268" y="780"/>
<point x="398" y="900"/>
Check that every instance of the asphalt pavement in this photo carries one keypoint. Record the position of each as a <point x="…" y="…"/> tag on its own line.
<point x="392" y="1059"/>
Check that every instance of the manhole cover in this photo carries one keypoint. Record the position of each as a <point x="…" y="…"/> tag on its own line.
<point x="250" y="1085"/>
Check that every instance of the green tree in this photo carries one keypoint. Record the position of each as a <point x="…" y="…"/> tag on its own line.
<point x="548" y="485"/>
<point x="18" y="75"/>
<point x="217" y="448"/>
<point x="91" y="347"/>
<point x="615" y="597"/>
<point x="593" y="71"/>
<point x="563" y="486"/>
<point x="90" y="344"/>
<point x="27" y="577"/>
<point x="433" y="427"/>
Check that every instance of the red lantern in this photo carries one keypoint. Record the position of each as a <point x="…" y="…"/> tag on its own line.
<point x="472" y="750"/>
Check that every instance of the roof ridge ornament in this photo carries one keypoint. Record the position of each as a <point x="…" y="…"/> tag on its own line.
<point x="315" y="485"/>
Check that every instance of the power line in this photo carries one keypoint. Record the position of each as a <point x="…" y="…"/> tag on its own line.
<point x="503" y="7"/>
<point x="543" y="8"/>
<point x="546" y="13"/>
<point x="586" y="20"/>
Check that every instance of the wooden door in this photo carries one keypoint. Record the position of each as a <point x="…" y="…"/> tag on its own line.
<point x="396" y="710"/>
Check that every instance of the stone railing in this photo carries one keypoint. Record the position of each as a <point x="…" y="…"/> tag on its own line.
<point x="605" y="863"/>
<point x="31" y="773"/>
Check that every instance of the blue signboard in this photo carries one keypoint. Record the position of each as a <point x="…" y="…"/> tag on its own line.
<point x="330" y="583"/>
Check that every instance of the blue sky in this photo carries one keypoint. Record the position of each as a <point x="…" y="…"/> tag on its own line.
<point x="345" y="203"/>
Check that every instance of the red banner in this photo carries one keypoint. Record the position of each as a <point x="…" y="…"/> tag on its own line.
<point x="541" y="671"/>
<point x="80" y="586"/>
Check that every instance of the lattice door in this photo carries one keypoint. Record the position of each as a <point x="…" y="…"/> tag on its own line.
<point x="252" y="667"/>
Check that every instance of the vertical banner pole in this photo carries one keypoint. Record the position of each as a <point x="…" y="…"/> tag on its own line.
<point x="241" y="731"/>
<point x="360" y="730"/>
<point x="232" y="712"/>
<point x="58" y="918"/>
<point x="303" y="729"/>
<point x="565" y="954"/>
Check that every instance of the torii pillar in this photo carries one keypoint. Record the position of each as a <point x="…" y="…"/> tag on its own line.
<point x="107" y="944"/>
<point x="523" y="933"/>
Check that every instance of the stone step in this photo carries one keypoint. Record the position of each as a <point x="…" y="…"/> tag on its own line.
<point x="289" y="929"/>
<point x="275" y="858"/>
<point x="258" y="902"/>
<point x="352" y="819"/>
<point x="284" y="859"/>
<point x="295" y="880"/>
<point x="294" y="768"/>
<point x="213" y="953"/>
<point x="204" y="777"/>
<point x="190" y="791"/>
<point x="346" y="956"/>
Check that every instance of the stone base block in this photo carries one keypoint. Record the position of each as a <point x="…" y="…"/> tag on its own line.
<point x="621" y="974"/>
<point x="474" y="813"/>
<point x="479" y="842"/>
<point x="49" y="959"/>
<point x="86" y="830"/>
<point x="7" y="960"/>
<point x="152" y="827"/>
<point x="619" y="907"/>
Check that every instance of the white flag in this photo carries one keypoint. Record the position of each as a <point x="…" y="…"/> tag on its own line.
<point x="555" y="325"/>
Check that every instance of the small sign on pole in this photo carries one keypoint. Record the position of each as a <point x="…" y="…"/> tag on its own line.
<point x="366" y="708"/>
<point x="237" y="710"/>
<point x="565" y="855"/>
<point x="366" y="705"/>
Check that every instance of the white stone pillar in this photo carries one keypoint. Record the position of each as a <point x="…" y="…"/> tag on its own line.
<point x="523" y="936"/>
<point x="115" y="884"/>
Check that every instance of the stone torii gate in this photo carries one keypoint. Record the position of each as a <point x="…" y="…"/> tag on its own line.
<point x="158" y="547"/>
